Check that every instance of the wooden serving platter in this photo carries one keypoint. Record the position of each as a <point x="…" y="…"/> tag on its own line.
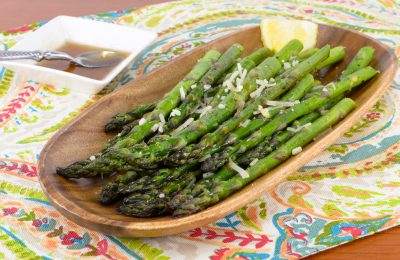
<point x="77" y="199"/>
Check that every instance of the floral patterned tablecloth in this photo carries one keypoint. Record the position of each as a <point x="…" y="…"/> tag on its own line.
<point x="350" y="191"/>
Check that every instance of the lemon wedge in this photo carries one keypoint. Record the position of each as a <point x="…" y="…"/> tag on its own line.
<point x="276" y="32"/>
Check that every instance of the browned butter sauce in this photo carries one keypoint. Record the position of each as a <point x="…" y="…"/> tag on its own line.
<point x="74" y="49"/>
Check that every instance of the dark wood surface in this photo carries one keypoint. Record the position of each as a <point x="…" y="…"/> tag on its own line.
<point x="384" y="245"/>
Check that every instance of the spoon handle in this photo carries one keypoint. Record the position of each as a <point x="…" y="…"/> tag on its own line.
<point x="33" y="55"/>
<point x="21" y="55"/>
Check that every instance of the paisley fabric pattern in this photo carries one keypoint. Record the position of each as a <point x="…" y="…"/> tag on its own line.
<point x="350" y="191"/>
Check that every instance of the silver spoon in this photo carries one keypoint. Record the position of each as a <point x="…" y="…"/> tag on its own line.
<point x="92" y="59"/>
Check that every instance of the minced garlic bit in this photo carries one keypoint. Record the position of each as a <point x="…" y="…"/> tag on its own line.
<point x="142" y="121"/>
<point x="175" y="112"/>
<point x="221" y="106"/>
<point x="161" y="195"/>
<point x="297" y="150"/>
<point x="193" y="86"/>
<point x="264" y="111"/>
<point x="183" y="94"/>
<point x="207" y="87"/>
<point x="245" y="123"/>
<point x="207" y="174"/>
<point x="242" y="172"/>
<point x="253" y="162"/>
<point x="184" y="125"/>
<point x="92" y="158"/>
<point x="275" y="103"/>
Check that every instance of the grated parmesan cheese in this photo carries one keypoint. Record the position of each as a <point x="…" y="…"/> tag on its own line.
<point x="161" y="195"/>
<point x="262" y="82"/>
<point x="207" y="174"/>
<point x="154" y="127"/>
<point x="204" y="110"/>
<point x="264" y="111"/>
<point x="182" y="93"/>
<point x="142" y="121"/>
<point x="286" y="65"/>
<point x="184" y="125"/>
<point x="193" y="86"/>
<point x="207" y="87"/>
<point x="92" y="158"/>
<point x="275" y="103"/>
<point x="240" y="69"/>
<point x="297" y="150"/>
<point x="253" y="162"/>
<point x="221" y="106"/>
<point x="162" y="119"/>
<point x="175" y="112"/>
<point x="245" y="123"/>
<point x="242" y="172"/>
<point x="299" y="128"/>
<point x="257" y="92"/>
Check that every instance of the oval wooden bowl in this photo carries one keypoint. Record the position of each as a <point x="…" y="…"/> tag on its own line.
<point x="76" y="199"/>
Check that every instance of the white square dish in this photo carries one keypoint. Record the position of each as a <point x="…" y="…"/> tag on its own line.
<point x="64" y="29"/>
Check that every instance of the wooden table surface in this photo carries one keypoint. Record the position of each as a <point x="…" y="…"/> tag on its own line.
<point x="385" y="245"/>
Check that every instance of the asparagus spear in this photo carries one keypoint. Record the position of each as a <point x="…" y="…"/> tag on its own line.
<point x="336" y="54"/>
<point x="153" y="202"/>
<point x="153" y="153"/>
<point x="271" y="93"/>
<point x="362" y="58"/>
<point x="269" y="145"/>
<point x="306" y="54"/>
<point x="118" y="121"/>
<point x="261" y="150"/>
<point x="248" y="63"/>
<point x="171" y="100"/>
<point x="141" y="131"/>
<point x="217" y="191"/>
<point x="190" y="154"/>
<point x="294" y="94"/>
<point x="226" y="60"/>
<point x="280" y="121"/>
<point x="109" y="191"/>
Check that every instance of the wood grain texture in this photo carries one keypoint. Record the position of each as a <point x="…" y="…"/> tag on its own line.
<point x="76" y="199"/>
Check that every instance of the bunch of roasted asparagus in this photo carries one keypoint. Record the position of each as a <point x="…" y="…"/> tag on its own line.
<point x="227" y="122"/>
